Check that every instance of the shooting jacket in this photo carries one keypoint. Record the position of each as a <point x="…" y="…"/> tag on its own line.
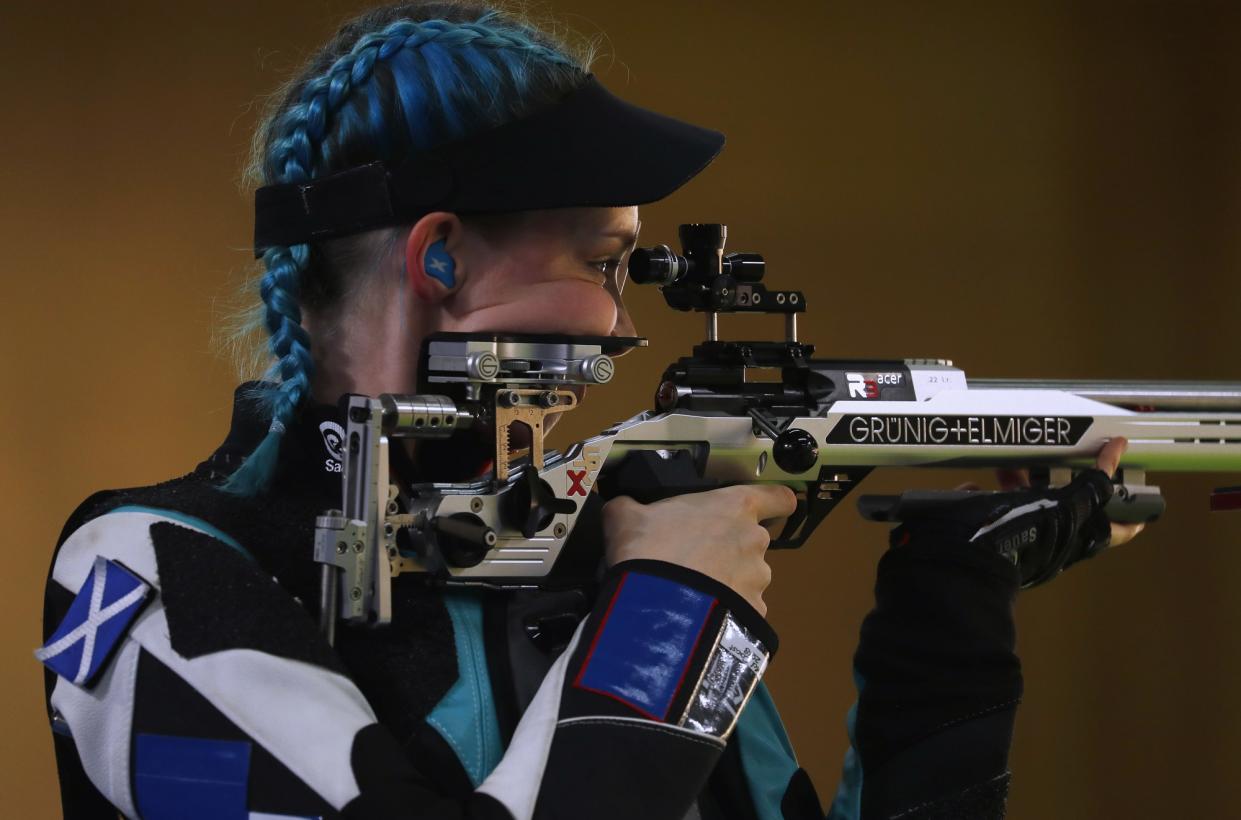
<point x="190" y="680"/>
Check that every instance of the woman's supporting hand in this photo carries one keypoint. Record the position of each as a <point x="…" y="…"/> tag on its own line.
<point x="1107" y="460"/>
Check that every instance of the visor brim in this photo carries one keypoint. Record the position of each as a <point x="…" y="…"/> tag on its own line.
<point x="591" y="149"/>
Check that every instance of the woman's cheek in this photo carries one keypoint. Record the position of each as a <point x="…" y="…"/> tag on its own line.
<point x="571" y="307"/>
<point x="583" y="309"/>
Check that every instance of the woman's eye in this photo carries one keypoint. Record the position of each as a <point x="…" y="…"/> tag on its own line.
<point x="607" y="267"/>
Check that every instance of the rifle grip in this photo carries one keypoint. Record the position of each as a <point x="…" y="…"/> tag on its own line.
<point x="647" y="476"/>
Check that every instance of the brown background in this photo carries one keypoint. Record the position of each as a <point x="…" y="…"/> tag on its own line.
<point x="1031" y="188"/>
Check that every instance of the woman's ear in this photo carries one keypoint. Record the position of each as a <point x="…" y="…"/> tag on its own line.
<point x="432" y="265"/>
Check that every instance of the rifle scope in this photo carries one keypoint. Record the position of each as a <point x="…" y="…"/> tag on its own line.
<point x="702" y="262"/>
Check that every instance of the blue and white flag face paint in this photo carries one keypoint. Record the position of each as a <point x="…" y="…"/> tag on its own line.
<point x="95" y="623"/>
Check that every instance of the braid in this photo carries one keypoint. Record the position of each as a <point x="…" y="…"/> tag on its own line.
<point x="295" y="156"/>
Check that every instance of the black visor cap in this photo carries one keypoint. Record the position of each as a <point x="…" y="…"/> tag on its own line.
<point x="589" y="149"/>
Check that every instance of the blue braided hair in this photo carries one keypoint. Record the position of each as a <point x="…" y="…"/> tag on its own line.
<point x="396" y="80"/>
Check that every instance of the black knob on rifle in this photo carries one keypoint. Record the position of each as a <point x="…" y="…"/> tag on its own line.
<point x="463" y="539"/>
<point x="795" y="451"/>
<point x="531" y="505"/>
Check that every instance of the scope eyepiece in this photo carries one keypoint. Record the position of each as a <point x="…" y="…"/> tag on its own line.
<point x="656" y="266"/>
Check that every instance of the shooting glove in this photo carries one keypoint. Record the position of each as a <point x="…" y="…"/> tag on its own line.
<point x="1041" y="532"/>
<point x="938" y="674"/>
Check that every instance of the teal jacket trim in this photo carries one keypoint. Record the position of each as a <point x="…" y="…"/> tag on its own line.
<point x="189" y="521"/>
<point x="466" y="716"/>
<point x="766" y="754"/>
<point x="848" y="802"/>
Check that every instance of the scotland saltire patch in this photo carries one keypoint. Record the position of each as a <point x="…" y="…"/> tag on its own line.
<point x="644" y="646"/>
<point x="95" y="623"/>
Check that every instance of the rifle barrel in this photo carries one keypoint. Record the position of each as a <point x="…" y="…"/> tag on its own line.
<point x="1152" y="395"/>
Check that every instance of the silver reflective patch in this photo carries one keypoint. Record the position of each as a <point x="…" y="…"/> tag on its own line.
<point x="736" y="664"/>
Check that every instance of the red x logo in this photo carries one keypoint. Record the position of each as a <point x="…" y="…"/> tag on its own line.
<point x="577" y="477"/>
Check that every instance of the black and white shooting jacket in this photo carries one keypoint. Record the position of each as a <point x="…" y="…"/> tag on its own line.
<point x="187" y="678"/>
